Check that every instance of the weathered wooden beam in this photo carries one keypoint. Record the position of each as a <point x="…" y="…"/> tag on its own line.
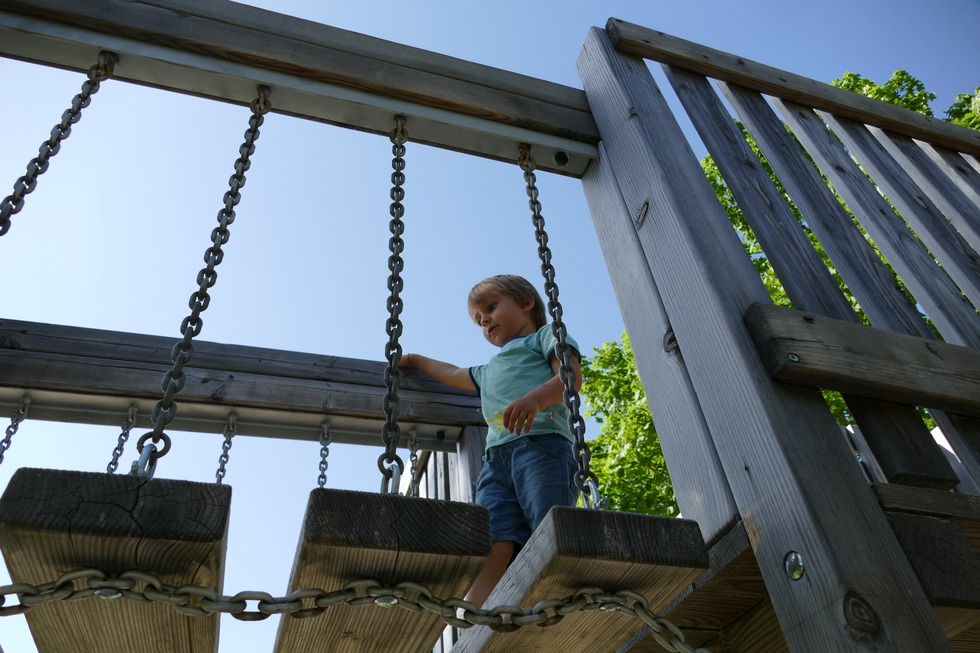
<point x="574" y="549"/>
<point x="808" y="349"/>
<point x="52" y="522"/>
<point x="349" y="536"/>
<point x="91" y="376"/>
<point x="651" y="44"/>
<point x="222" y="50"/>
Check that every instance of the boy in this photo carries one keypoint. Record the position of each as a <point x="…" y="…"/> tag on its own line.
<point x="529" y="464"/>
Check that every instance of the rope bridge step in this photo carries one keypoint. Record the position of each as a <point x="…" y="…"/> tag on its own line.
<point x="53" y="521"/>
<point x="348" y="536"/>
<point x="573" y="549"/>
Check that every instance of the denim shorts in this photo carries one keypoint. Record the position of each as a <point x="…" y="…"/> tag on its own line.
<point x="522" y="480"/>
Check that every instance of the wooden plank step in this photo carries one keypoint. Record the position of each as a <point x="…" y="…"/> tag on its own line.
<point x="52" y="522"/>
<point x="349" y="536"/>
<point x="574" y="549"/>
<point x="810" y="349"/>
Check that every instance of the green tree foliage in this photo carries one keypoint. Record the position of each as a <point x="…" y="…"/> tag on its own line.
<point x="626" y="454"/>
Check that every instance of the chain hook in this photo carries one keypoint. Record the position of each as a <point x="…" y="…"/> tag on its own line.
<point x="146" y="466"/>
<point x="391" y="481"/>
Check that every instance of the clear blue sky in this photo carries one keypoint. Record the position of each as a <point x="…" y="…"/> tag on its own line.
<point x="114" y="234"/>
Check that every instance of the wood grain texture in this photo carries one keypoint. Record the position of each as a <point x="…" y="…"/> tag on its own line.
<point x="801" y="347"/>
<point x="577" y="548"/>
<point x="900" y="440"/>
<point x="56" y="521"/>
<point x="768" y="436"/>
<point x="349" y="536"/>
<point x="651" y="44"/>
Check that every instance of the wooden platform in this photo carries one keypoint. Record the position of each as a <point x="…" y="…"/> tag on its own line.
<point x="52" y="522"/>
<point x="349" y="536"/>
<point x="574" y="549"/>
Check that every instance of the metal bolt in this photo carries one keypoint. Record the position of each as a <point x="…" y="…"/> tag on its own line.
<point x="108" y="593"/>
<point x="793" y="563"/>
<point x="386" y="601"/>
<point x="794" y="358"/>
<point x="561" y="158"/>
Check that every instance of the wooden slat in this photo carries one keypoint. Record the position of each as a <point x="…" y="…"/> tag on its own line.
<point x="52" y="522"/>
<point x="906" y="450"/>
<point x="575" y="549"/>
<point x="950" y="184"/>
<point x="800" y="347"/>
<point x="696" y="473"/>
<point x="767" y="435"/>
<point x="349" y="536"/>
<point x="651" y="44"/>
<point x="221" y="51"/>
<point x="91" y="376"/>
<point x="944" y="242"/>
<point x="939" y="297"/>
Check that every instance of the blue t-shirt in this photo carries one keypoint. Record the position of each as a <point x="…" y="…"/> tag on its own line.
<point x="523" y="364"/>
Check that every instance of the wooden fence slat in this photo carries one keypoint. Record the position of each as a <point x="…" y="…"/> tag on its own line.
<point x="52" y="522"/>
<point x="696" y="473"/>
<point x="806" y="348"/>
<point x="957" y="167"/>
<point x="944" y="242"/>
<point x="767" y="434"/>
<point x="928" y="283"/>
<point x="900" y="441"/>
<point x="651" y="44"/>
<point x="959" y="202"/>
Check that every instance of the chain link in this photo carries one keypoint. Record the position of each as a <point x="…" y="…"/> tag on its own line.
<point x="200" y="601"/>
<point x="19" y="416"/>
<point x="127" y="425"/>
<point x="413" y="458"/>
<point x="165" y="409"/>
<point x="13" y="203"/>
<point x="231" y="428"/>
<point x="586" y="481"/>
<point x="325" y="439"/>
<point x="393" y="349"/>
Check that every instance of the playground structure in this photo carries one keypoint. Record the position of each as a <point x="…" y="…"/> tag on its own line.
<point x="798" y="546"/>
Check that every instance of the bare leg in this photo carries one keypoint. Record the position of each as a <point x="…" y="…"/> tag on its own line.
<point x="494" y="568"/>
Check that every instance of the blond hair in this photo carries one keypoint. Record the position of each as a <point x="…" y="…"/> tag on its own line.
<point x="510" y="285"/>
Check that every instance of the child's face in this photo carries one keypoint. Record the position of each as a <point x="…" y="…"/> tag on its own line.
<point x="503" y="319"/>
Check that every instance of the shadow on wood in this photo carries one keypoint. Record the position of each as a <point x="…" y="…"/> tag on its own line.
<point x="574" y="549"/>
<point x="350" y="536"/>
<point x="52" y="522"/>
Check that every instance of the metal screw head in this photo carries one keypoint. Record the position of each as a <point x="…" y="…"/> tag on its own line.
<point x="793" y="357"/>
<point x="793" y="563"/>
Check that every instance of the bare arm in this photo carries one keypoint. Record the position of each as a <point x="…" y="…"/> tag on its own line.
<point x="519" y="415"/>
<point x="447" y="373"/>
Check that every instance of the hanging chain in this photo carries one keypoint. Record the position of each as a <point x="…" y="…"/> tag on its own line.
<point x="231" y="428"/>
<point x="413" y="450"/>
<point x="199" y="601"/>
<point x="13" y="203"/>
<point x="19" y="416"/>
<point x="127" y="426"/>
<point x="325" y="439"/>
<point x="585" y="479"/>
<point x="389" y="463"/>
<point x="165" y="409"/>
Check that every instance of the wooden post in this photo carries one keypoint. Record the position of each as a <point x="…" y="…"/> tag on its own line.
<point x="52" y="522"/>
<point x="836" y="575"/>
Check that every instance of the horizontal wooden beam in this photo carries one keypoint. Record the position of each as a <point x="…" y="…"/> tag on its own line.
<point x="813" y="350"/>
<point x="91" y="376"/>
<point x="651" y="44"/>
<point x="222" y="50"/>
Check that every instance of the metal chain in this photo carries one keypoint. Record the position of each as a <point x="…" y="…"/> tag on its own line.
<point x="13" y="203"/>
<point x="231" y="428"/>
<point x="585" y="479"/>
<point x="127" y="425"/>
<point x="325" y="439"/>
<point x="19" y="416"/>
<point x="389" y="463"/>
<point x="413" y="450"/>
<point x="200" y="601"/>
<point x="165" y="409"/>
